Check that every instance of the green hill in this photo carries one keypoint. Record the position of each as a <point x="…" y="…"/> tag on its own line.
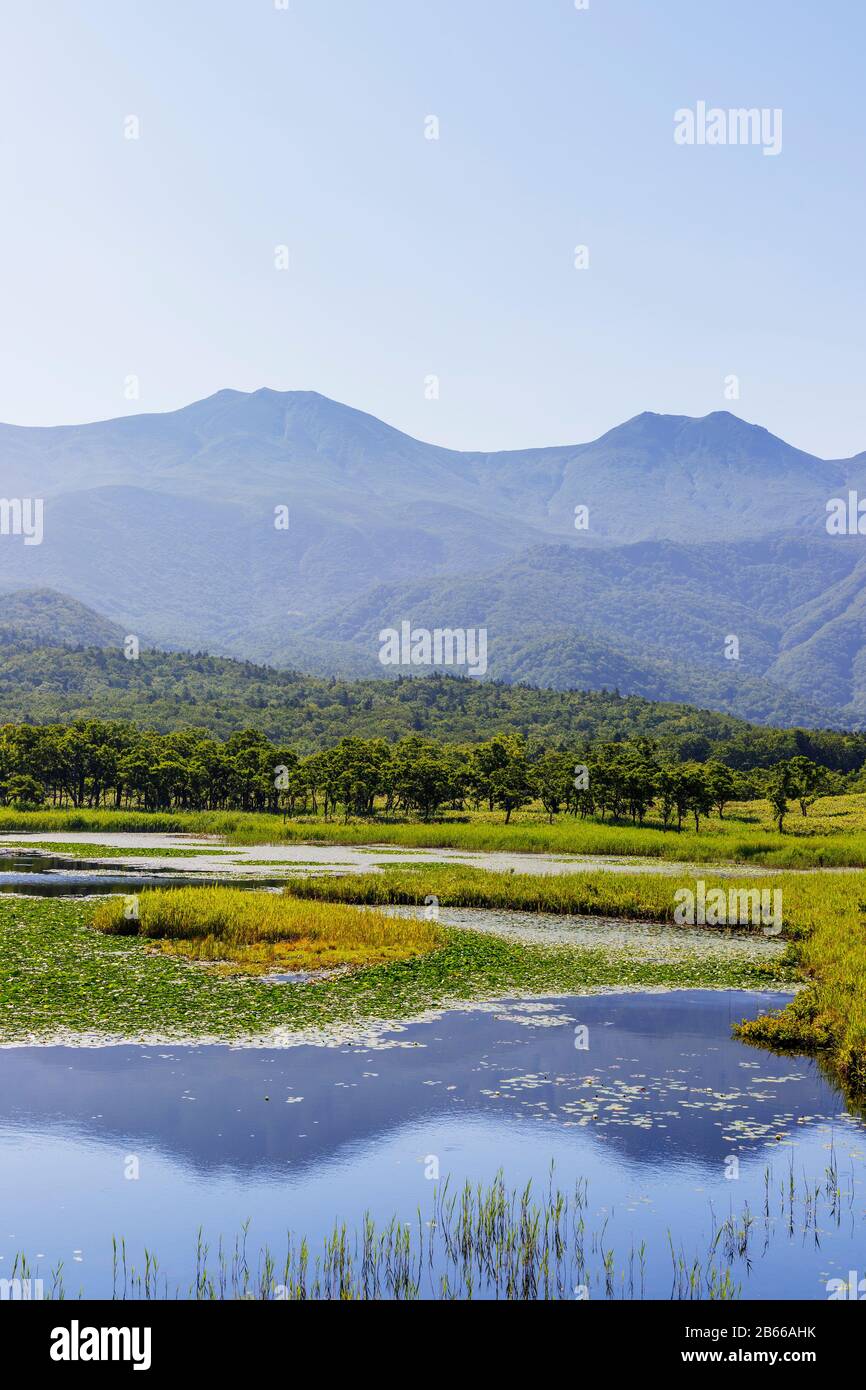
<point x="177" y="690"/>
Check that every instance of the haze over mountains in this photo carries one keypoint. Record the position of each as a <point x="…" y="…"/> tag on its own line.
<point x="699" y="529"/>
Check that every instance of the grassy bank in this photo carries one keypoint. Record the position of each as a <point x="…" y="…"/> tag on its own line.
<point x="825" y="839"/>
<point x="822" y="917"/>
<point x="639" y="897"/>
<point x="261" y="932"/>
<point x="829" y="1016"/>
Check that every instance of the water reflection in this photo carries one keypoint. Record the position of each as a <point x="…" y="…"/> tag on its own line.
<point x="66" y="876"/>
<point x="650" y="1112"/>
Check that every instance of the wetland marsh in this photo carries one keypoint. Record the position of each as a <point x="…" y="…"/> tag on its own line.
<point x="557" y="1017"/>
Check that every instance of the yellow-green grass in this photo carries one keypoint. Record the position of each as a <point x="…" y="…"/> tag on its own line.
<point x="832" y="835"/>
<point x="823" y="917"/>
<point x="259" y="932"/>
<point x="644" y="896"/>
<point x="830" y="952"/>
<point x="78" y="850"/>
<point x="830" y="815"/>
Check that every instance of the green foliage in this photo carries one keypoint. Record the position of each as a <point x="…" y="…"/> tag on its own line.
<point x="801" y="780"/>
<point x="175" y="691"/>
<point x="823" y="915"/>
<point x="96" y="764"/>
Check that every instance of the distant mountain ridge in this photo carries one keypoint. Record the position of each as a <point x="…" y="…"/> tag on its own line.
<point x="698" y="528"/>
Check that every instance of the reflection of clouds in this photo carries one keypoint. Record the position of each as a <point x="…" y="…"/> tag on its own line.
<point x="662" y="1079"/>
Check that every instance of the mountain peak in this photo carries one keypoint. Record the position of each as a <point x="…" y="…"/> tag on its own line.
<point x="726" y="436"/>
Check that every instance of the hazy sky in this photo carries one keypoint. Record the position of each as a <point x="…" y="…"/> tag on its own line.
<point x="408" y="257"/>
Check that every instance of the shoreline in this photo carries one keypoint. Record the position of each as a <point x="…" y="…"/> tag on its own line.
<point x="369" y="1034"/>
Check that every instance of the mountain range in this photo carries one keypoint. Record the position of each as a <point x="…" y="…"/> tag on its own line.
<point x="285" y="528"/>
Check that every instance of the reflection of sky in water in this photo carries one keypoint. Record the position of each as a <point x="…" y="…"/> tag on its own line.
<point x="648" y="1115"/>
<point x="361" y="858"/>
<point x="58" y="876"/>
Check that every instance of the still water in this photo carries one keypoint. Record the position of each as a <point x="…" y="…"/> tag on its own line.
<point x="672" y="1124"/>
<point x="38" y="875"/>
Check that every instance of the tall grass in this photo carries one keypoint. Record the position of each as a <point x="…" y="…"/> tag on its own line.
<point x="263" y="931"/>
<point x="729" y="840"/>
<point x="829" y="1016"/>
<point x="723" y="843"/>
<point x="637" y="897"/>
<point x="822" y="915"/>
<point x="490" y="1242"/>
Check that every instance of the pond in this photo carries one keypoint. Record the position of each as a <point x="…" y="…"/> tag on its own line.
<point x="646" y="1106"/>
<point x="40" y="875"/>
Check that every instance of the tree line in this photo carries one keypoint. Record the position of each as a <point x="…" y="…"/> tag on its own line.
<point x="112" y="764"/>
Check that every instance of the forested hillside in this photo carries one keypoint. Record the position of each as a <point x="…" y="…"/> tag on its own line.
<point x="167" y="691"/>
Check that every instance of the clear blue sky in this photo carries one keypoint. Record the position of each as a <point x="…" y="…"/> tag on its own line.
<point x="408" y="257"/>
